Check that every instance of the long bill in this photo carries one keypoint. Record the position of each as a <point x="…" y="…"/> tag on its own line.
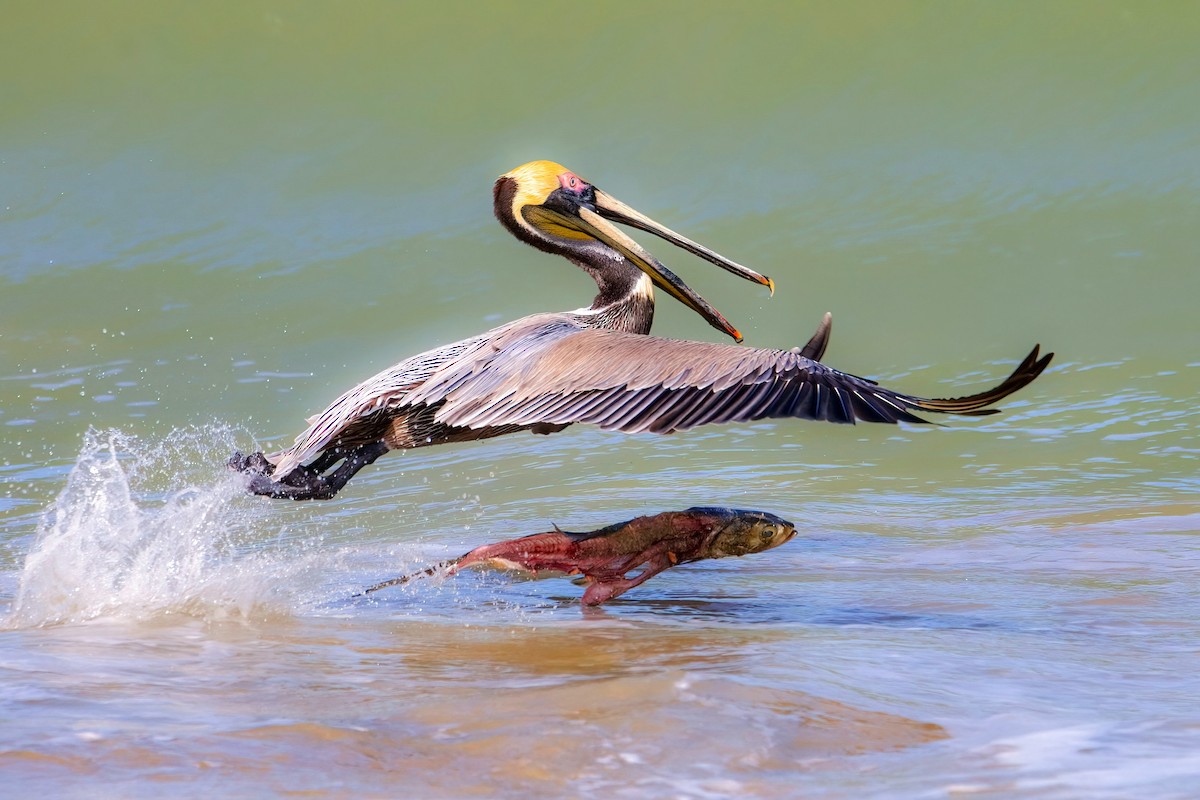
<point x="611" y="208"/>
<point x="595" y="225"/>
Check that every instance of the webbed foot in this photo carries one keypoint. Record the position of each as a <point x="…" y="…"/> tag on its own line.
<point x="299" y="485"/>
<point x="255" y="463"/>
<point x="309" y="482"/>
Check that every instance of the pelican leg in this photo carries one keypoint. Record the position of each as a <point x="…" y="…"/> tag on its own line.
<point x="307" y="483"/>
<point x="257" y="463"/>
<point x="302" y="476"/>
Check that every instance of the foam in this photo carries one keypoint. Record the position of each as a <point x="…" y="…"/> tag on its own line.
<point x="144" y="528"/>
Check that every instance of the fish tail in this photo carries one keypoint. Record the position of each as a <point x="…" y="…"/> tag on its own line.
<point x="449" y="566"/>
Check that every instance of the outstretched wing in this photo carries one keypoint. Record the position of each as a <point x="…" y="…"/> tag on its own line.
<point x="378" y="393"/>
<point x="555" y="374"/>
<point x="361" y="412"/>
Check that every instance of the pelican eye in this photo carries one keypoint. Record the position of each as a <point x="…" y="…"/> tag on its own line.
<point x="576" y="187"/>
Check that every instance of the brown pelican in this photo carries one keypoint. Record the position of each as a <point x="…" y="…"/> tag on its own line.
<point x="595" y="365"/>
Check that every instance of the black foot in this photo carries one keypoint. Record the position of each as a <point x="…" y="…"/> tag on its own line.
<point x="304" y="478"/>
<point x="307" y="482"/>
<point x="316" y="489"/>
<point x="255" y="463"/>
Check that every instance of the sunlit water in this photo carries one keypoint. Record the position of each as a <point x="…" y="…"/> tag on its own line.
<point x="214" y="220"/>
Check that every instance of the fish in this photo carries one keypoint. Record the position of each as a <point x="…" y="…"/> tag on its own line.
<point x="612" y="560"/>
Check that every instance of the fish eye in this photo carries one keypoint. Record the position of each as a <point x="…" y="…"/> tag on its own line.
<point x="767" y="534"/>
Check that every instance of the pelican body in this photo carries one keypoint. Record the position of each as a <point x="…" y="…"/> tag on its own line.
<point x="596" y="365"/>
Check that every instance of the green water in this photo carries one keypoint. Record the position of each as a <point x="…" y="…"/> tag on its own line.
<point x="216" y="217"/>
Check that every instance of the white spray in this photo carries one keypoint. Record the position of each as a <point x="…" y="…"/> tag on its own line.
<point x="144" y="529"/>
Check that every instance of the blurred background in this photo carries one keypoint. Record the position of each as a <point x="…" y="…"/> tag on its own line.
<point x="216" y="217"/>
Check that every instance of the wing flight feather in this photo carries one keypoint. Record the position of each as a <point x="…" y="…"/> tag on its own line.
<point x="553" y="369"/>
<point x="631" y="382"/>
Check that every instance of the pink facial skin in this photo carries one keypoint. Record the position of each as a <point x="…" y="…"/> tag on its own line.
<point x="572" y="182"/>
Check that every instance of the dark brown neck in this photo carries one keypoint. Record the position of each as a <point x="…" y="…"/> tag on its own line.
<point x="633" y="313"/>
<point x="624" y="300"/>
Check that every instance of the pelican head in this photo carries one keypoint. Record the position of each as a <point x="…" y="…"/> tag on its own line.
<point x="548" y="206"/>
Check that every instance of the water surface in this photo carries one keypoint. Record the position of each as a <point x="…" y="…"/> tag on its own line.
<point x="213" y="220"/>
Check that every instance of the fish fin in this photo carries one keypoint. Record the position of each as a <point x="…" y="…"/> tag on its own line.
<point x="573" y="535"/>
<point x="583" y="536"/>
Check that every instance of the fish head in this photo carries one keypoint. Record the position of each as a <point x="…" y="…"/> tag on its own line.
<point x="740" y="532"/>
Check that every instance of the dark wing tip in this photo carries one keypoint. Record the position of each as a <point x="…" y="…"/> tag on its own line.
<point x="815" y="347"/>
<point x="975" y="404"/>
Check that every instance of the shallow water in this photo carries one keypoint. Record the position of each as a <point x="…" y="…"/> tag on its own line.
<point x="213" y="221"/>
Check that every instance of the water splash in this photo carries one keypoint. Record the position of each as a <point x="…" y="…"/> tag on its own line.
<point x="144" y="528"/>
